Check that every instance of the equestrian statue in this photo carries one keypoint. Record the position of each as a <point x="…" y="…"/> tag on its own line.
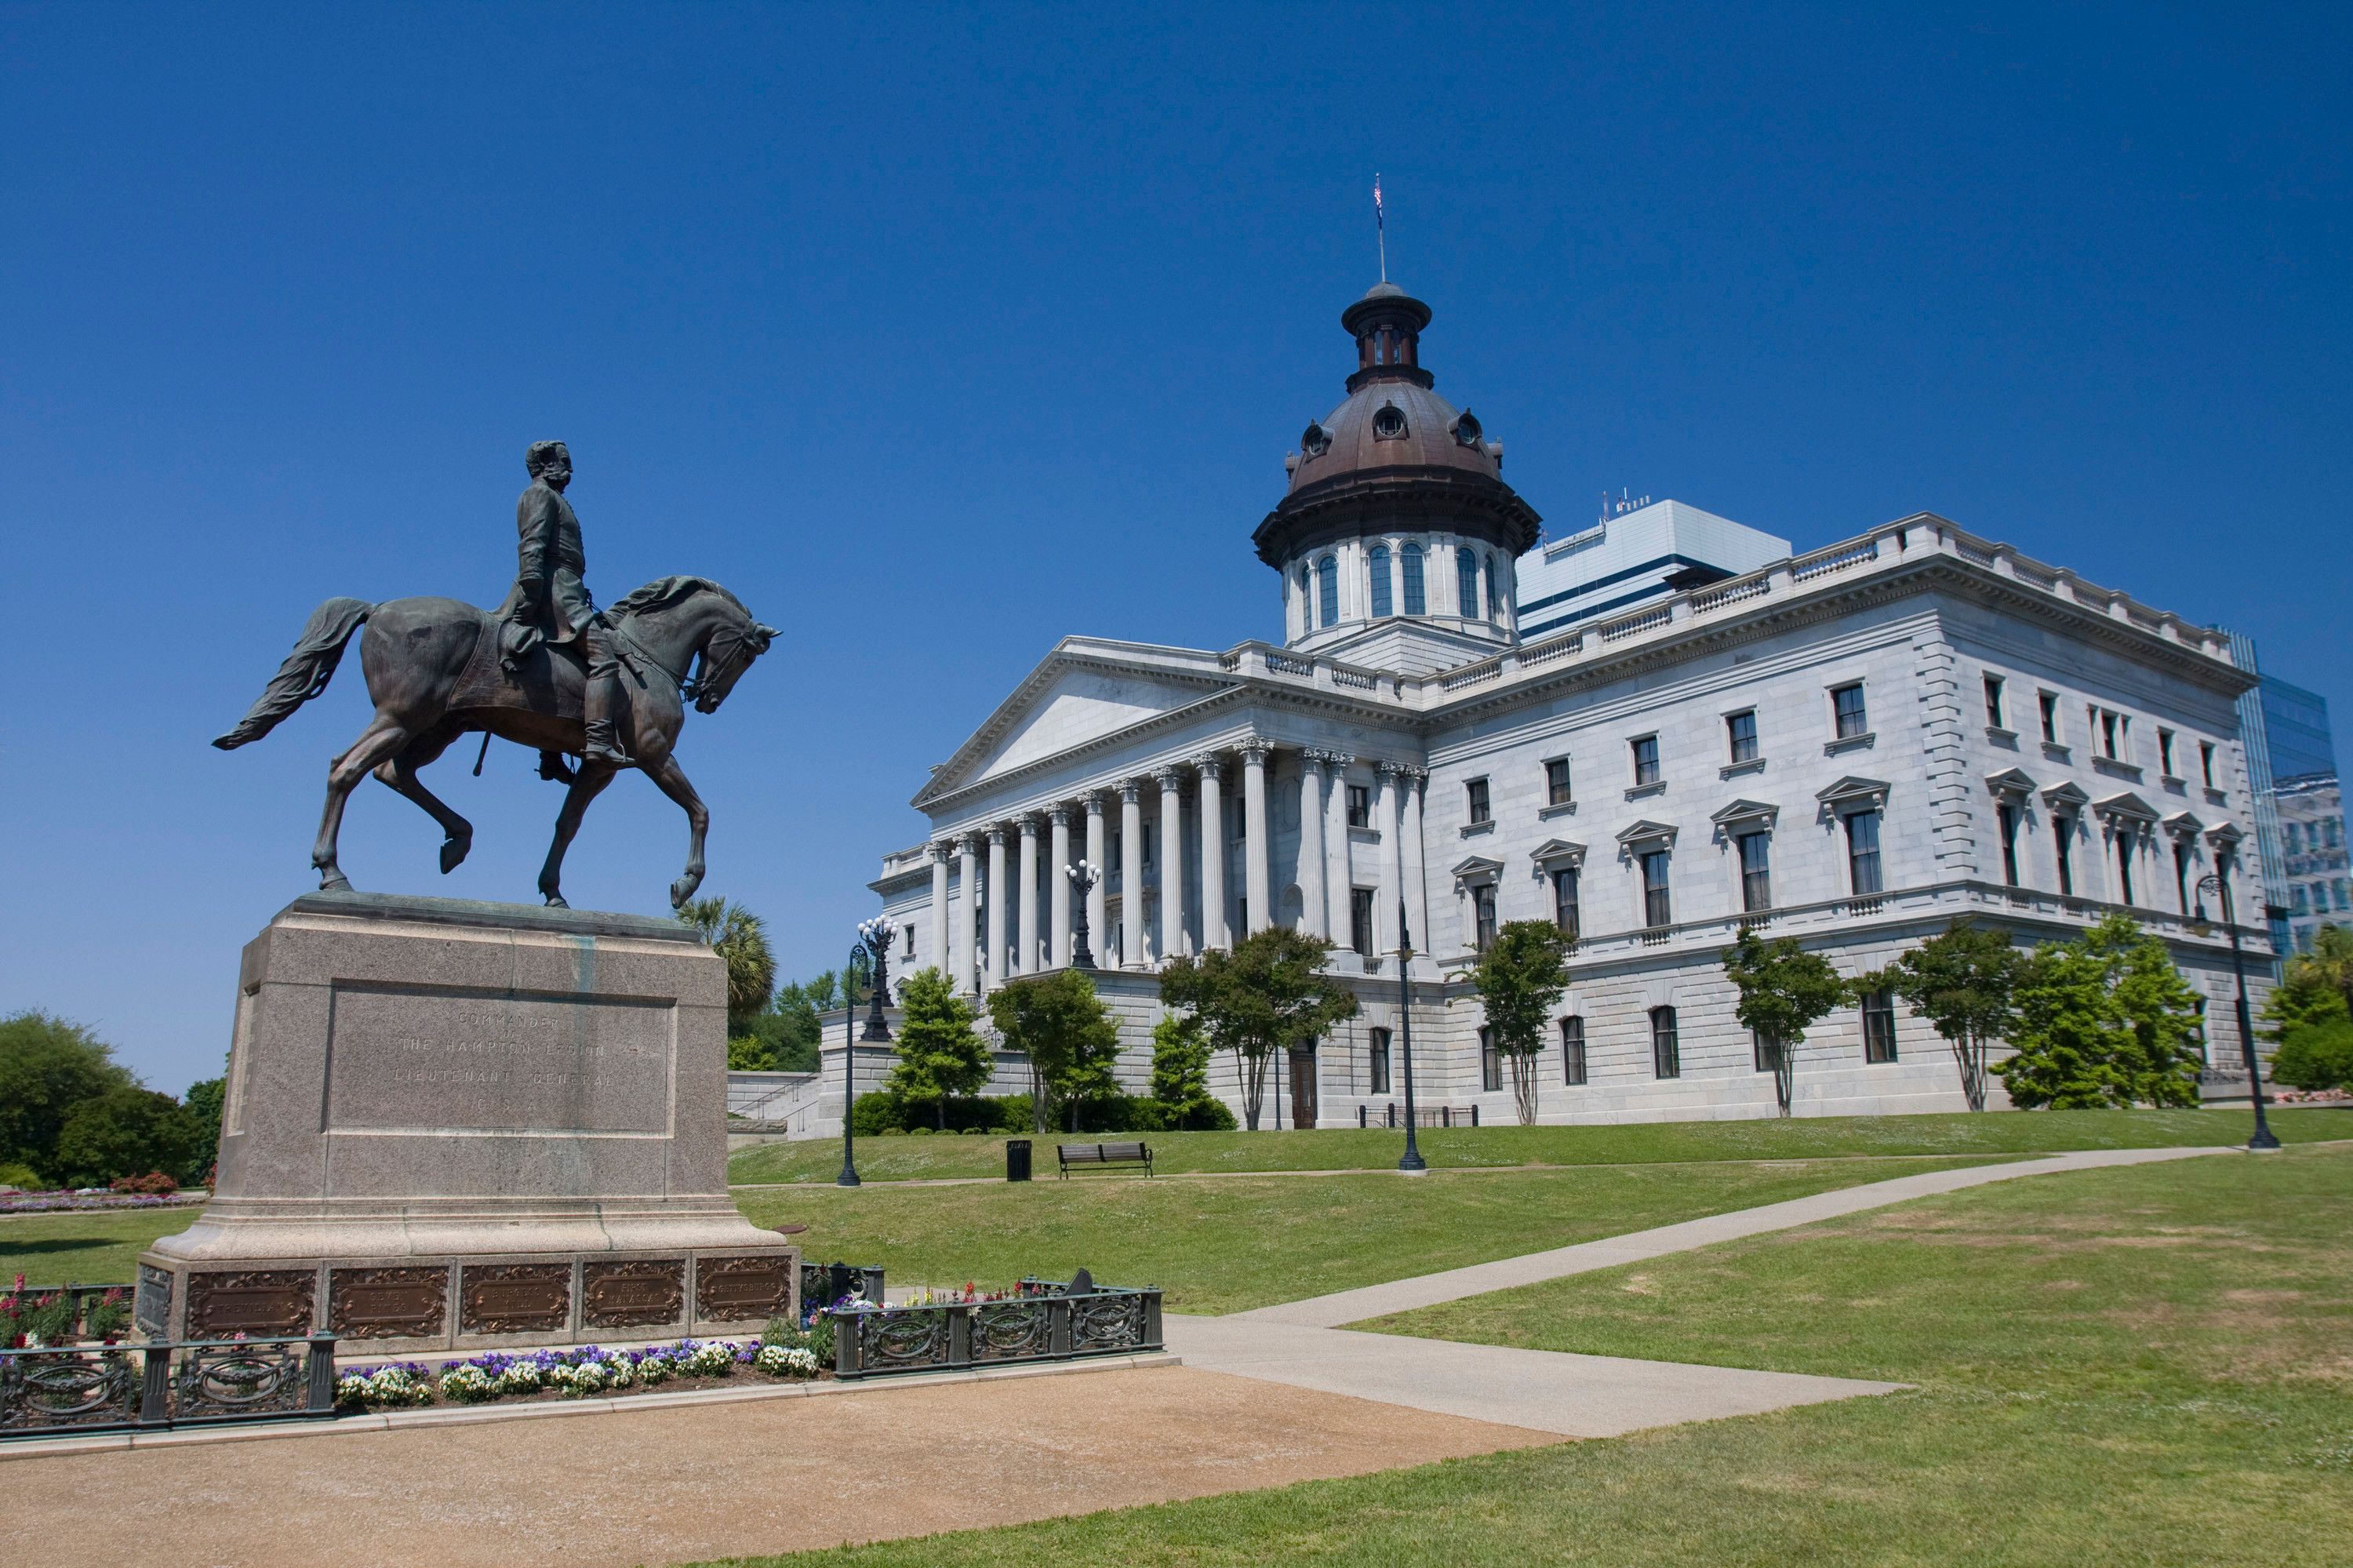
<point x="547" y="670"/>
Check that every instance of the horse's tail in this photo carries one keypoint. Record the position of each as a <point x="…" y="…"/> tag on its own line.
<point x="306" y="672"/>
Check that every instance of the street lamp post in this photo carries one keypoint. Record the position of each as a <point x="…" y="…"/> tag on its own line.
<point x="2263" y="1138"/>
<point x="860" y="951"/>
<point x="874" y="936"/>
<point x="1410" y="1163"/>
<point x="1083" y="876"/>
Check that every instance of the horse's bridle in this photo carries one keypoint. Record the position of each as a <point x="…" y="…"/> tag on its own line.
<point x="746" y="646"/>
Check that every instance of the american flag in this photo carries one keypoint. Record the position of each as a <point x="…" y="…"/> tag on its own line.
<point x="1377" y="202"/>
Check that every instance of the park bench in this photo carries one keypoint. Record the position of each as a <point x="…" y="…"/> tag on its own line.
<point x="1071" y="1154"/>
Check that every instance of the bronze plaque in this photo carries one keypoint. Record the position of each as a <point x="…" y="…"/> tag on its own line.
<point x="152" y="1308"/>
<point x="515" y="1298"/>
<point x="408" y="1303"/>
<point x="645" y="1291"/>
<point x="735" y="1289"/>
<point x="254" y="1302"/>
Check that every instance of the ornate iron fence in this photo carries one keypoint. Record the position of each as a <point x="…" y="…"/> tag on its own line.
<point x="1047" y="1322"/>
<point x="75" y="1389"/>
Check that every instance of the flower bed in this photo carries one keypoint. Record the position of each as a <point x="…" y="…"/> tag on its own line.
<point x="92" y="1197"/>
<point x="578" y="1371"/>
<point x="45" y="1316"/>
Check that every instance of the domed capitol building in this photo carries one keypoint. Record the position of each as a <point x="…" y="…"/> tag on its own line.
<point x="1654" y="732"/>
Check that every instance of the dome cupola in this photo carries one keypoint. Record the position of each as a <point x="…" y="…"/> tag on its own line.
<point x="1397" y="507"/>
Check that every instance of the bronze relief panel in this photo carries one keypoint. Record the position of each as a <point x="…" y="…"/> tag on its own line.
<point x="642" y="1291"/>
<point x="257" y="1302"/>
<point x="514" y="1297"/>
<point x="733" y="1289"/>
<point x="405" y="1303"/>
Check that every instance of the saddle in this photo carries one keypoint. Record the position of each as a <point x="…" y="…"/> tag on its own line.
<point x="547" y="678"/>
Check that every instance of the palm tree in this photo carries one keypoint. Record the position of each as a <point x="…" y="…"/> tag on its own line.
<point x="737" y="935"/>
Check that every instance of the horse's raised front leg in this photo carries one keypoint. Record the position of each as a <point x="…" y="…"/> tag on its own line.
<point x="672" y="780"/>
<point x="383" y="740"/>
<point x="590" y="783"/>
<point x="400" y="773"/>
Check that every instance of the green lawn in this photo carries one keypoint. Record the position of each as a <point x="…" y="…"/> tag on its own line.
<point x="1214" y="1246"/>
<point x="901" y="1157"/>
<point x="1223" y="1247"/>
<point x="2145" y="1365"/>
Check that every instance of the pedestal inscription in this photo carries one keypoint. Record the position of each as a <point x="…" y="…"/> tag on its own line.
<point x="736" y="1289"/>
<point x="645" y="1291"/>
<point x="257" y="1302"/>
<point x="403" y="1059"/>
<point x="516" y="1298"/>
<point x="401" y="1303"/>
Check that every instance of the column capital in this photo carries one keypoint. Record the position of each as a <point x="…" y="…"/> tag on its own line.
<point x="968" y="843"/>
<point x="1028" y="823"/>
<point x="1059" y="813"/>
<point x="1336" y="760"/>
<point x="1210" y="764"/>
<point x="1388" y="769"/>
<point x="1255" y="751"/>
<point x="996" y="834"/>
<point x="1131" y="791"/>
<point x="1170" y="779"/>
<point x="1093" y="802"/>
<point x="941" y="849"/>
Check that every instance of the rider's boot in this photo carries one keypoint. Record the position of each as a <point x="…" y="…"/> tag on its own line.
<point x="601" y="745"/>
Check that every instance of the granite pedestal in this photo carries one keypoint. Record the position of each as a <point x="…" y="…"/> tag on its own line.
<point x="453" y="1124"/>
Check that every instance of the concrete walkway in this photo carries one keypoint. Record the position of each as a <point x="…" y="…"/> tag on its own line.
<point x="1453" y="1284"/>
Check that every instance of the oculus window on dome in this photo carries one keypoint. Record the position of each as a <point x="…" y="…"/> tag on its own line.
<point x="1389" y="423"/>
<point x="1466" y="430"/>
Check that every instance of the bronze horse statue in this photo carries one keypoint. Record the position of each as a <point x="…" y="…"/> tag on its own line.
<point x="434" y="672"/>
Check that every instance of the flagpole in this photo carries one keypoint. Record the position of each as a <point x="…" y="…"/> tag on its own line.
<point x="1381" y="228"/>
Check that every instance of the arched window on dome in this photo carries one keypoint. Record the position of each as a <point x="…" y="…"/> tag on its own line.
<point x="1327" y="588"/>
<point x="1466" y="581"/>
<point x="1416" y="601"/>
<point x="1377" y="562"/>
<point x="1495" y="591"/>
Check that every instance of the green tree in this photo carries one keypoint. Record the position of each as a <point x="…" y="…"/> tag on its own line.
<point x="1783" y="992"/>
<point x="47" y="1066"/>
<point x="1519" y="979"/>
<point x="2104" y="1019"/>
<point x="2315" y="988"/>
<point x="129" y="1131"/>
<point x="1069" y="1036"/>
<point x="2316" y="1056"/>
<point x="204" y="1100"/>
<point x="1269" y="994"/>
<point x="740" y="938"/>
<point x="1964" y="981"/>
<point x="1180" y="1069"/>
<point x="941" y="1057"/>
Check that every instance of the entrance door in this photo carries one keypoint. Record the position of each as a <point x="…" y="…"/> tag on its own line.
<point x="1302" y="1089"/>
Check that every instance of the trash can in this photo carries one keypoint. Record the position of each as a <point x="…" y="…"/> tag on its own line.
<point x="1017" y="1160"/>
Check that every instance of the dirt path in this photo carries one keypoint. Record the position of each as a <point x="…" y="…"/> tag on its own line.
<point x="685" y="1484"/>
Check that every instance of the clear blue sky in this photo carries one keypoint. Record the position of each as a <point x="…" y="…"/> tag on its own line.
<point x="940" y="333"/>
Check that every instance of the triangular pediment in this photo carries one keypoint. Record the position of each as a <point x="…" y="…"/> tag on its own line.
<point x="1742" y="812"/>
<point x="2065" y="795"/>
<point x="1646" y="832"/>
<point x="1557" y="849"/>
<point x="1854" y="793"/>
<point x="2009" y="781"/>
<point x="1475" y="865"/>
<point x="2225" y="836"/>
<point x="2127" y="804"/>
<point x="2184" y="825"/>
<point x="1077" y="696"/>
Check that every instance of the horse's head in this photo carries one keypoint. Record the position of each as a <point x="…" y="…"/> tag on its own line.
<point x="733" y="643"/>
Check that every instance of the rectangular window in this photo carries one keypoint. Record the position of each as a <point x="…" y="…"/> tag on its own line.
<point x="1360" y="920"/>
<point x="1491" y="1061"/>
<point x="1327" y="588"/>
<point x="1756" y="872"/>
<point x="1360" y="805"/>
<point x="911" y="942"/>
<point x="2063" y="836"/>
<point x="1878" y="1027"/>
<point x="1556" y="792"/>
<point x="1646" y="761"/>
<point x="1666" y="1054"/>
<point x="1993" y="702"/>
<point x="1563" y="901"/>
<point x="2049" y="704"/>
<point x="2127" y="840"/>
<point x="2165" y="752"/>
<point x="1380" y="1061"/>
<point x="2181" y="873"/>
<point x="1376" y="564"/>
<point x="2206" y="762"/>
<point x="1847" y="713"/>
<point x="1483" y="907"/>
<point x="1656" y="911"/>
<point x="1761" y="1056"/>
<point x="1475" y="796"/>
<point x="2007" y="814"/>
<point x="1740" y="729"/>
<point x="1113" y="844"/>
<point x="1416" y="601"/>
<point x="1862" y="852"/>
<point x="1572" y="1050"/>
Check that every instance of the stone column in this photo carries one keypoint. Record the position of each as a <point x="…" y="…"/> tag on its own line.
<point x="967" y="935"/>
<point x="1340" y="873"/>
<point x="940" y="908"/>
<point x="1256" y="852"/>
<point x="1059" y="815"/>
<point x="1384" y="903"/>
<point x="993" y="970"/>
<point x="1412" y="781"/>
<point x="1313" y="918"/>
<point x="1131" y="874"/>
<point x="1099" y="896"/>
<point x="1172" y="861"/>
<point x="1213" y="855"/>
<point x="1025" y="958"/>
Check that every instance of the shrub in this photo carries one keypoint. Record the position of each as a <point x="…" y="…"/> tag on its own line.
<point x="13" y="1174"/>
<point x="155" y="1181"/>
<point x="123" y="1132"/>
<point x="2318" y="1056"/>
<point x="879" y="1111"/>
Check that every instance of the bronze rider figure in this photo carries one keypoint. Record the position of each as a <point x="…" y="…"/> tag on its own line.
<point x="550" y="601"/>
